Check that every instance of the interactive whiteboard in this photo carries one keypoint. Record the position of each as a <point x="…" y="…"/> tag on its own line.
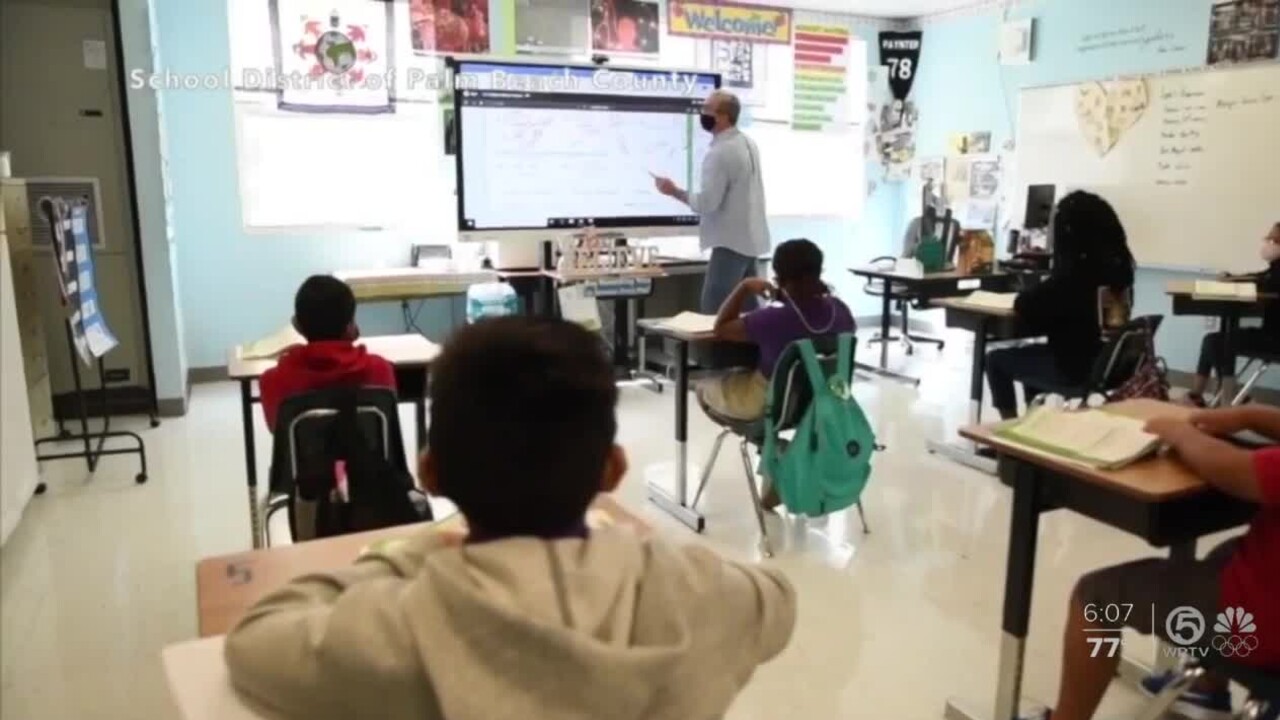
<point x="1190" y="161"/>
<point x="555" y="147"/>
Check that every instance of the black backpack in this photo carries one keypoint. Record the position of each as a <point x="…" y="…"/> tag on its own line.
<point x="359" y="430"/>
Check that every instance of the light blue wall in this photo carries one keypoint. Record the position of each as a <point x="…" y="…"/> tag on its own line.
<point x="236" y="286"/>
<point x="962" y="87"/>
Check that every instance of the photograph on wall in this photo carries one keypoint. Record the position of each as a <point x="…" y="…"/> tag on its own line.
<point x="449" y="26"/>
<point x="344" y="54"/>
<point x="629" y="26"/>
<point x="970" y="143"/>
<point x="735" y="61"/>
<point x="984" y="178"/>
<point x="557" y="27"/>
<point x="1244" y="31"/>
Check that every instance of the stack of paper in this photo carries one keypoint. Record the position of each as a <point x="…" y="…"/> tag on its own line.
<point x="691" y="323"/>
<point x="995" y="301"/>
<point x="1091" y="437"/>
<point x="273" y="344"/>
<point x="1216" y="290"/>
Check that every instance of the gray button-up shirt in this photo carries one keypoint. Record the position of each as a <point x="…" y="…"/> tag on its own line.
<point x="731" y="199"/>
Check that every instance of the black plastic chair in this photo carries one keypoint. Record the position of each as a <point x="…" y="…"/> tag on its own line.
<point x="1263" y="688"/>
<point x="789" y="402"/>
<point x="1123" y="352"/>
<point x="301" y="448"/>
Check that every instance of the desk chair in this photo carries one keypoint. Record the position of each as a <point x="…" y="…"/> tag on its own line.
<point x="789" y="403"/>
<point x="303" y="455"/>
<point x="1122" y="354"/>
<point x="905" y="301"/>
<point x="1255" y="367"/>
<point x="1263" y="688"/>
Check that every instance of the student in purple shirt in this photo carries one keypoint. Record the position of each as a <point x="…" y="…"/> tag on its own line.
<point x="802" y="307"/>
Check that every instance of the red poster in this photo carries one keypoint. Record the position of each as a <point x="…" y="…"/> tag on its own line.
<point x="449" y="26"/>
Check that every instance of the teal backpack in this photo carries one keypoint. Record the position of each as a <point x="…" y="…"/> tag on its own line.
<point x="827" y="463"/>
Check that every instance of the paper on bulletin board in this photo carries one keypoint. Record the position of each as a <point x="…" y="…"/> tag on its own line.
<point x="958" y="177"/>
<point x="984" y="177"/>
<point x="95" y="54"/>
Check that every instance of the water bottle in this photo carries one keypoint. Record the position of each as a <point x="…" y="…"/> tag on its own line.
<point x="493" y="299"/>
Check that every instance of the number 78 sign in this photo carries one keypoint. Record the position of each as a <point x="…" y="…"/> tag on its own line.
<point x="900" y="52"/>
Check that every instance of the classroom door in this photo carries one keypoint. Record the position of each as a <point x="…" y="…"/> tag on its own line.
<point x="62" y="117"/>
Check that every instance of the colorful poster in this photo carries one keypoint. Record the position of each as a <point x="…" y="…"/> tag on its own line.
<point x="448" y="26"/>
<point x="98" y="338"/>
<point x="819" y="100"/>
<point x="1244" y="31"/>
<point x="333" y="60"/>
<point x="629" y="26"/>
<point x="729" y="21"/>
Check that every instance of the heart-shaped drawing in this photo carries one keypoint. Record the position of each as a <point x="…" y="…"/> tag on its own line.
<point x="1106" y="111"/>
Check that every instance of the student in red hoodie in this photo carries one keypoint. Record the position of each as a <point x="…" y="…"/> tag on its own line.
<point x="1234" y="589"/>
<point x="324" y="312"/>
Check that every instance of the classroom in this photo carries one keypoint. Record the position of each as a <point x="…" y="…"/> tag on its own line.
<point x="640" y="358"/>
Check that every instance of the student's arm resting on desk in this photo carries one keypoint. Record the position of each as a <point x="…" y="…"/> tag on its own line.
<point x="1261" y="419"/>
<point x="1231" y="469"/>
<point x="730" y="325"/>
<point x="326" y="645"/>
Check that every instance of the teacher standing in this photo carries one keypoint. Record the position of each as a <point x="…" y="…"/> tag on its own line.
<point x="730" y="201"/>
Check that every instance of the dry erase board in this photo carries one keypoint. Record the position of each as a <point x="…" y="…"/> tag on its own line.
<point x="1190" y="160"/>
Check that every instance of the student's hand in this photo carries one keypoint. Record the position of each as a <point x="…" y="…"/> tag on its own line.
<point x="1222" y="421"/>
<point x="757" y="286"/>
<point x="1170" y="430"/>
<point x="665" y="185"/>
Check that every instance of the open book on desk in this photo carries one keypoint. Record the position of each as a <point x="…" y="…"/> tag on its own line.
<point x="1095" y="438"/>
<point x="691" y="323"/>
<point x="1219" y="290"/>
<point x="993" y="300"/>
<point x="272" y="345"/>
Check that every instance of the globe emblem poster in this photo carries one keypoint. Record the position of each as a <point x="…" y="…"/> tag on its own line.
<point x="334" y="60"/>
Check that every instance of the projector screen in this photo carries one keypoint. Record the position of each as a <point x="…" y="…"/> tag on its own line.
<point x="555" y="147"/>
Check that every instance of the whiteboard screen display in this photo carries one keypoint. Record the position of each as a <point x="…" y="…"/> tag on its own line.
<point x="562" y="146"/>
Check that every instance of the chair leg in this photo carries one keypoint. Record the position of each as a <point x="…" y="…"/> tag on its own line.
<point x="765" y="546"/>
<point x="1247" y="388"/>
<point x="706" y="469"/>
<point x="1161" y="703"/>
<point x="863" y="517"/>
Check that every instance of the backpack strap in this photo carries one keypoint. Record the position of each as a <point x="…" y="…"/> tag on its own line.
<point x="810" y="357"/>
<point x="844" y="356"/>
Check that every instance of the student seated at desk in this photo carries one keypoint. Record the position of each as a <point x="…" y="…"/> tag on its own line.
<point x="803" y="307"/>
<point x="1240" y="573"/>
<point x="1090" y="252"/>
<point x="1247" y="340"/>
<point x="531" y="614"/>
<point x="324" y="312"/>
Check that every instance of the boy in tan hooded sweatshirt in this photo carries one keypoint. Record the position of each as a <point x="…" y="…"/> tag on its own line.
<point x="531" y="615"/>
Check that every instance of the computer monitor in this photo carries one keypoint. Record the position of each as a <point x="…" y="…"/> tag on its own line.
<point x="1039" y="207"/>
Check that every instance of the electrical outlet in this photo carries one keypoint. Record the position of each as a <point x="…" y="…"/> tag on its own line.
<point x="118" y="375"/>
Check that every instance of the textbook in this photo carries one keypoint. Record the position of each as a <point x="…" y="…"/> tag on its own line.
<point x="272" y="345"/>
<point x="690" y="322"/>
<point x="1095" y="438"/>
<point x="995" y="301"/>
<point x="1217" y="290"/>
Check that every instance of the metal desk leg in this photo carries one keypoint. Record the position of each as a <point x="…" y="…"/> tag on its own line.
<point x="1019" y="577"/>
<point x="678" y="506"/>
<point x="1227" y="383"/>
<point x="963" y="451"/>
<point x="250" y="459"/>
<point x="885" y="323"/>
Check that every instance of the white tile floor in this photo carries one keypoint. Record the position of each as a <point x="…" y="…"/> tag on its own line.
<point x="100" y="573"/>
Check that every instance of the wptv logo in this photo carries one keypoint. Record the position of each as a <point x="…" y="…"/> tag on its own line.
<point x="1234" y="633"/>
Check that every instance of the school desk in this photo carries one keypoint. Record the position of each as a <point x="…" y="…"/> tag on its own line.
<point x="986" y="324"/>
<point x="1159" y="500"/>
<point x="903" y="286"/>
<point x="226" y="586"/>
<point x="1228" y="312"/>
<point x="410" y="354"/>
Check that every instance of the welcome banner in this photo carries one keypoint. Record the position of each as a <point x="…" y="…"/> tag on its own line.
<point x="729" y="21"/>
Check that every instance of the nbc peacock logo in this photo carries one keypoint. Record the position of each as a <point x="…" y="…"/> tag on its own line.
<point x="1235" y="630"/>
